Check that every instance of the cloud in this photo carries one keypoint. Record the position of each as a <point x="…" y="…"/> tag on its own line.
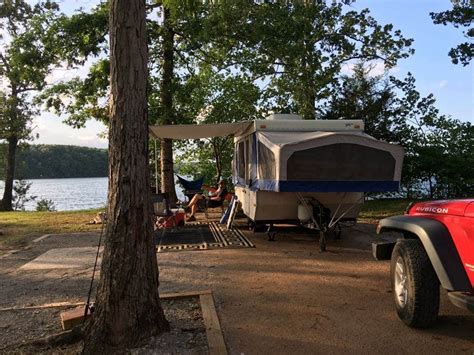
<point x="377" y="67"/>
<point x="443" y="83"/>
<point x="88" y="138"/>
<point x="52" y="130"/>
<point x="64" y="73"/>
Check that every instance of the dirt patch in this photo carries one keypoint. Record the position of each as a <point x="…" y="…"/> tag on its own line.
<point x="187" y="334"/>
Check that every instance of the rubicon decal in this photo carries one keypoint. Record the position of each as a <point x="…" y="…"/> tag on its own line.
<point x="432" y="210"/>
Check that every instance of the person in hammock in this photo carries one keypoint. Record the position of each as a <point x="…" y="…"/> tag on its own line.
<point x="214" y="199"/>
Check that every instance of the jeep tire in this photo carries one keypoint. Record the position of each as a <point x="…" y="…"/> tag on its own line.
<point x="415" y="285"/>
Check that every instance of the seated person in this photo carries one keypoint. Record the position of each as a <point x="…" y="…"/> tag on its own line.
<point x="214" y="200"/>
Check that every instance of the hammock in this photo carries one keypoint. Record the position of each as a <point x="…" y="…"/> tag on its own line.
<point x="191" y="185"/>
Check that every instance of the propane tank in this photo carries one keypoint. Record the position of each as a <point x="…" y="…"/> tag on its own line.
<point x="305" y="213"/>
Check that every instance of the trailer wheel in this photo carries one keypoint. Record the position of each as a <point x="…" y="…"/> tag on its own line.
<point x="250" y="224"/>
<point x="415" y="285"/>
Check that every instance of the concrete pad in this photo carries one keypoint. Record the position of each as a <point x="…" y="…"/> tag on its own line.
<point x="64" y="258"/>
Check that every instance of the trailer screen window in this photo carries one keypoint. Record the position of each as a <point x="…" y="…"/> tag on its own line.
<point x="241" y="160"/>
<point x="324" y="164"/>
<point x="266" y="162"/>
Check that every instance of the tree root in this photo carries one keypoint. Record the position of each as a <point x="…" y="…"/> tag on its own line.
<point x="67" y="337"/>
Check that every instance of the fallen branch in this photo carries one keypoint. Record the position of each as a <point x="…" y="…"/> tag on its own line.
<point x="47" y="305"/>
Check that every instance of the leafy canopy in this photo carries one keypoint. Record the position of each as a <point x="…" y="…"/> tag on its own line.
<point x="460" y="16"/>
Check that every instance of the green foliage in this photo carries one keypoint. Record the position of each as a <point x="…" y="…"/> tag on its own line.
<point x="60" y="161"/>
<point x="75" y="39"/>
<point x="45" y="205"/>
<point x="20" y="195"/>
<point x="362" y="96"/>
<point x="81" y="99"/>
<point x="439" y="150"/>
<point x="80" y="36"/>
<point x="298" y="48"/>
<point x="461" y="15"/>
<point x="441" y="158"/>
<point x="216" y="99"/>
<point x="25" y="62"/>
<point x="236" y="61"/>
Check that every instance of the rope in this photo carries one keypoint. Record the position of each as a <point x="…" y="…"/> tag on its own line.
<point x="93" y="272"/>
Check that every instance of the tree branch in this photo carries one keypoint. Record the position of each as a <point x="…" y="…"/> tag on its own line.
<point x="5" y="63"/>
<point x="185" y="60"/>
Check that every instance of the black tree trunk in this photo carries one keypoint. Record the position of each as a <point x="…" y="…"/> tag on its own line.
<point x="128" y="308"/>
<point x="6" y="202"/>
<point x="166" y="154"/>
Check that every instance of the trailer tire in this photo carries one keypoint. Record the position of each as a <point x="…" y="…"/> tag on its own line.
<point x="415" y="285"/>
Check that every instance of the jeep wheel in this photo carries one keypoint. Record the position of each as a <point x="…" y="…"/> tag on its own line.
<point x="415" y="285"/>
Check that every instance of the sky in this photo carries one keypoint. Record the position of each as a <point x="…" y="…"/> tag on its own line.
<point x="452" y="85"/>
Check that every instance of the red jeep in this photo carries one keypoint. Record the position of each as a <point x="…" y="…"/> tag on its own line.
<point x="437" y="248"/>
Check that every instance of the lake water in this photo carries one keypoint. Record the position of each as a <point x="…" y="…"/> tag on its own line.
<point x="68" y="194"/>
<point x="71" y="194"/>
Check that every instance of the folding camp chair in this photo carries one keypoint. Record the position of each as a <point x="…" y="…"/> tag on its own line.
<point x="214" y="204"/>
<point x="165" y="217"/>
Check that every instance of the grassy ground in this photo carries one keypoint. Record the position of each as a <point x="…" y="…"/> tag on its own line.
<point x="19" y="228"/>
<point x="378" y="209"/>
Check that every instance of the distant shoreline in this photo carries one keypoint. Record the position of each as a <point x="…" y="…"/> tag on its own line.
<point x="54" y="178"/>
<point x="57" y="162"/>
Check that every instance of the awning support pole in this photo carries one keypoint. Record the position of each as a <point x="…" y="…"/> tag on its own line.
<point x="333" y="222"/>
<point x="156" y="168"/>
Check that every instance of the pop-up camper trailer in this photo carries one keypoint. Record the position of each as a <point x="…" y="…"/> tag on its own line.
<point x="286" y="169"/>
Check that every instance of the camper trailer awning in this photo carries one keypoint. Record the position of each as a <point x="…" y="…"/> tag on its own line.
<point x="194" y="131"/>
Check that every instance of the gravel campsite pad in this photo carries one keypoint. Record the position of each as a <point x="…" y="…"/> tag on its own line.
<point x="280" y="297"/>
<point x="187" y="334"/>
<point x="24" y="286"/>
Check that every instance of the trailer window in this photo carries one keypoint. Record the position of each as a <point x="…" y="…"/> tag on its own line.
<point x="341" y="162"/>
<point x="266" y="162"/>
<point x="241" y="160"/>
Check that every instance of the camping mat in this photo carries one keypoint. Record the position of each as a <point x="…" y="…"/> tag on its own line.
<point x="200" y="236"/>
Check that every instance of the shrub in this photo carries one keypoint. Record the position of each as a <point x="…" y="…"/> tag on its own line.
<point x="45" y="205"/>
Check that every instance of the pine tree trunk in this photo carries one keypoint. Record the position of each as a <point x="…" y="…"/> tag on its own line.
<point x="216" y="149"/>
<point x="309" y="105"/>
<point x="309" y="96"/>
<point x="6" y="202"/>
<point x="128" y="308"/>
<point x="167" y="173"/>
<point x="166" y="154"/>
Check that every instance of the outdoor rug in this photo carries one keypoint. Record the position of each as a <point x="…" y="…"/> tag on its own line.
<point x="200" y="236"/>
